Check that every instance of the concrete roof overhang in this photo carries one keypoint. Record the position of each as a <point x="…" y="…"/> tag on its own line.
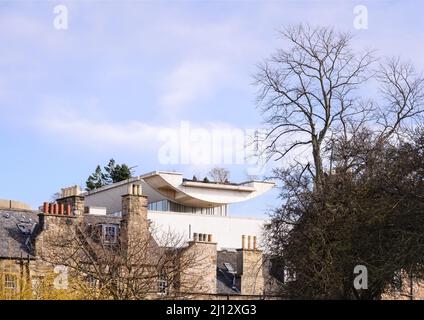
<point x="203" y="194"/>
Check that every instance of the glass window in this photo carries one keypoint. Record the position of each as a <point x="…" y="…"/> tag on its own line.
<point x="92" y="281"/>
<point x="110" y="233"/>
<point x="10" y="281"/>
<point x="162" y="285"/>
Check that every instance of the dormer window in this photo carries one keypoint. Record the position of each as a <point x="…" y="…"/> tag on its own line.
<point x="109" y="233"/>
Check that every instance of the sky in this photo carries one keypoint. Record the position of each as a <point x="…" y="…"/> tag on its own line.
<point x="128" y="79"/>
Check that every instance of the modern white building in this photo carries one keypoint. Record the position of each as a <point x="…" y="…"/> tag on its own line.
<point x="185" y="207"/>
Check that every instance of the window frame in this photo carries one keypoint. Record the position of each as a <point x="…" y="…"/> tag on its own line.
<point x="162" y="285"/>
<point x="106" y="238"/>
<point x="7" y="282"/>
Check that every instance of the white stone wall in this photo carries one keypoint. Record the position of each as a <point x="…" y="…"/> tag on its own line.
<point x="110" y="199"/>
<point x="226" y="231"/>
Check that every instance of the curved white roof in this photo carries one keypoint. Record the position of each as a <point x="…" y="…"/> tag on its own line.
<point x="172" y="186"/>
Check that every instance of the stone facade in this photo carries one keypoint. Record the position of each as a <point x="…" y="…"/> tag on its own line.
<point x="198" y="274"/>
<point x="76" y="202"/>
<point x="134" y="224"/>
<point x="250" y="268"/>
<point x="408" y="289"/>
<point x="197" y="265"/>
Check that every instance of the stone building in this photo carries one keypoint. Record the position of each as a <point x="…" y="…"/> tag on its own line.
<point x="30" y="241"/>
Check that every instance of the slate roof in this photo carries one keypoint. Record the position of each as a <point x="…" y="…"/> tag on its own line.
<point x="227" y="282"/>
<point x="101" y="219"/>
<point x="16" y="228"/>
<point x="19" y="227"/>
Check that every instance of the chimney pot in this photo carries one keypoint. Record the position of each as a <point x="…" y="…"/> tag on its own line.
<point x="243" y="242"/>
<point x="50" y="208"/>
<point x="209" y="238"/>
<point x="55" y="208"/>
<point x="249" y="244"/>
<point x="195" y="238"/>
<point x="68" y="209"/>
<point x="254" y="243"/>
<point x="45" y="207"/>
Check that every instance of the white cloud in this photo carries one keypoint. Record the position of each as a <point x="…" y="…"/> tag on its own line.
<point x="190" y="81"/>
<point x="193" y="146"/>
<point x="61" y="122"/>
<point x="66" y="124"/>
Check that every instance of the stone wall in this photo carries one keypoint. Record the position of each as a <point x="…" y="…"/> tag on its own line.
<point x="250" y="265"/>
<point x="414" y="291"/>
<point x="76" y="203"/>
<point x="198" y="268"/>
<point x="12" y="204"/>
<point x="134" y="224"/>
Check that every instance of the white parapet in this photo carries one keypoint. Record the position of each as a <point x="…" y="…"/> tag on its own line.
<point x="226" y="231"/>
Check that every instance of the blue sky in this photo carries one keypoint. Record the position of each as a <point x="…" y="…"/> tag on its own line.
<point x="125" y="70"/>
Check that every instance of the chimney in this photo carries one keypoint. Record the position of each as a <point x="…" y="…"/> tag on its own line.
<point x="134" y="224"/>
<point x="72" y="200"/>
<point x="61" y="208"/>
<point x="53" y="216"/>
<point x="200" y="274"/>
<point x="202" y="237"/>
<point x="249" y="267"/>
<point x="134" y="189"/>
<point x="45" y="207"/>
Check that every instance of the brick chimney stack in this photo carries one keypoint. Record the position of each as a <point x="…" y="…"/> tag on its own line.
<point x="58" y="218"/>
<point x="72" y="201"/>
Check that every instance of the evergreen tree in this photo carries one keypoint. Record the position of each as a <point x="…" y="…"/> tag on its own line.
<point x="116" y="173"/>
<point x="96" y="180"/>
<point x="113" y="173"/>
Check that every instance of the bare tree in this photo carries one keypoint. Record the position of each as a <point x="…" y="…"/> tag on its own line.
<point x="221" y="175"/>
<point x="141" y="267"/>
<point x="308" y="89"/>
<point x="360" y="188"/>
<point x="309" y="94"/>
<point x="403" y="92"/>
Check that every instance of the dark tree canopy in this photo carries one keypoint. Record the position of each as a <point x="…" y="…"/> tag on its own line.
<point x="369" y="214"/>
<point x="96" y="180"/>
<point x="113" y="173"/>
<point x="116" y="172"/>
